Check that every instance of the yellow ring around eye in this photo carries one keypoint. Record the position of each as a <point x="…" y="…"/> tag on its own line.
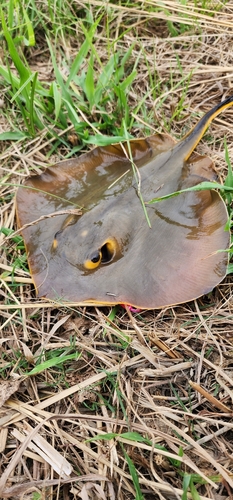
<point x="89" y="264"/>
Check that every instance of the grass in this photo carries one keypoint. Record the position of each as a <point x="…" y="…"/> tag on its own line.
<point x="76" y="98"/>
<point x="98" y="402"/>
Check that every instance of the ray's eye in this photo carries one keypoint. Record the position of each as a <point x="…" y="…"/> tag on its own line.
<point x="102" y="256"/>
<point x="94" y="260"/>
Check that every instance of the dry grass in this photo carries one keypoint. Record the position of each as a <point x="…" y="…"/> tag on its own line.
<point x="166" y="375"/>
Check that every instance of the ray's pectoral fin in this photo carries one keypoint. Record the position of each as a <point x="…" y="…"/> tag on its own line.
<point x="197" y="169"/>
<point x="160" y="142"/>
<point x="143" y="150"/>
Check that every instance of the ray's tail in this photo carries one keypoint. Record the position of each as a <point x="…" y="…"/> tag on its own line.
<point x="189" y="142"/>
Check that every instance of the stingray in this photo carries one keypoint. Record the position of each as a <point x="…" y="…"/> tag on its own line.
<point x="88" y="241"/>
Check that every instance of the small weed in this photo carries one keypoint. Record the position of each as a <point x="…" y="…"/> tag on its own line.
<point x="177" y="399"/>
<point x="208" y="352"/>
<point x="36" y="496"/>
<point x="19" y="257"/>
<point x="17" y="239"/>
<point x="188" y="485"/>
<point x="111" y="386"/>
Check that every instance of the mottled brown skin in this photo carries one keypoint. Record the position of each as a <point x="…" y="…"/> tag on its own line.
<point x="182" y="256"/>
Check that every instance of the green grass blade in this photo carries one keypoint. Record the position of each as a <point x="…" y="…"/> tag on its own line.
<point x="52" y="362"/>
<point x="229" y="177"/>
<point x="23" y="87"/>
<point x="89" y="86"/>
<point x="31" y="36"/>
<point x="9" y="77"/>
<point x="132" y="436"/>
<point x="10" y="13"/>
<point x="59" y="77"/>
<point x="32" y="106"/>
<point x="134" y="475"/>
<point x="185" y="485"/>
<point x="20" y="66"/>
<point x="128" y="81"/>
<point x="230" y="269"/>
<point x="66" y="96"/>
<point x="71" y="112"/>
<point x="134" y="168"/>
<point x="105" y="437"/>
<point x="80" y="57"/>
<point x="56" y="95"/>
<point x="135" y="436"/>
<point x="104" y="140"/>
<point x="194" y="492"/>
<point x="203" y="186"/>
<point x="57" y="72"/>
<point x="120" y="69"/>
<point x="108" y="71"/>
<point x="17" y="135"/>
